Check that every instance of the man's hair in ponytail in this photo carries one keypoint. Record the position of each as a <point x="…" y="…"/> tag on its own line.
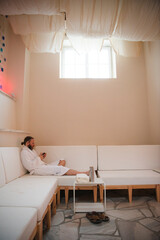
<point x="28" y="138"/>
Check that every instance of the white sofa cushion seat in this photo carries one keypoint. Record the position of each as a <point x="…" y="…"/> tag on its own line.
<point x="129" y="165"/>
<point x="61" y="180"/>
<point x="129" y="177"/>
<point x="17" y="223"/>
<point x="29" y="192"/>
<point x="68" y="180"/>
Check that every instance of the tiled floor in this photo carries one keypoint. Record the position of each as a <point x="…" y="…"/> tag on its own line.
<point x="139" y="220"/>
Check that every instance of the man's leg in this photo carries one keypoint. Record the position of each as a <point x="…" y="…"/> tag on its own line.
<point x="74" y="172"/>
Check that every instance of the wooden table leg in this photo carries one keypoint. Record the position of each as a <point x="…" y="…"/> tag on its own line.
<point x="66" y="195"/>
<point x="54" y="205"/>
<point x="101" y="188"/>
<point x="49" y="217"/>
<point x="58" y="197"/>
<point x="130" y="193"/>
<point x="158" y="192"/>
<point x="40" y="230"/>
<point x="95" y="193"/>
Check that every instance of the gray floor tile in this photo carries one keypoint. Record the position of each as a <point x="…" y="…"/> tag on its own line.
<point x="135" y="231"/>
<point x="140" y="202"/>
<point x="125" y="214"/>
<point x="146" y="212"/>
<point x="151" y="224"/>
<point x="139" y="220"/>
<point x="99" y="237"/>
<point x="155" y="208"/>
<point x="63" y="231"/>
<point x="57" y="219"/>
<point x="103" y="228"/>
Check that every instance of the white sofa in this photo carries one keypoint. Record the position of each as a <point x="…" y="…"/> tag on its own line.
<point x="17" y="223"/>
<point x="130" y="167"/>
<point x="20" y="192"/>
<point x="28" y="197"/>
<point x="79" y="158"/>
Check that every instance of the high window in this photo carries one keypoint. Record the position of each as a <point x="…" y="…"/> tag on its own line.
<point x="93" y="64"/>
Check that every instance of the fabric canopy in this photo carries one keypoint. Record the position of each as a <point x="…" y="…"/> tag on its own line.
<point x="88" y="22"/>
<point x="18" y="7"/>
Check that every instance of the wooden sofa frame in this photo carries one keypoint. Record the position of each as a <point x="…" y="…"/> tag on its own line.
<point x="130" y="188"/>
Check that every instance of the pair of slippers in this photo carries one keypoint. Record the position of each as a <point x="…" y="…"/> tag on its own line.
<point x="97" y="217"/>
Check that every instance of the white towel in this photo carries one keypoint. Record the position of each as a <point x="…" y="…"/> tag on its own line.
<point x="82" y="178"/>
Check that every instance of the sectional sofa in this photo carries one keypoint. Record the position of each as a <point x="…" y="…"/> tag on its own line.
<point x="120" y="167"/>
<point x="130" y="167"/>
<point x="25" y="200"/>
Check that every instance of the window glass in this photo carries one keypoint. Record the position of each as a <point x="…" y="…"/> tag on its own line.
<point x="88" y="65"/>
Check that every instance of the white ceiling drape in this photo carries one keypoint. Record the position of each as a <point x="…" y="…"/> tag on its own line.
<point x="18" y="7"/>
<point x="41" y="33"/>
<point x="44" y="42"/>
<point x="139" y="20"/>
<point x="88" y="22"/>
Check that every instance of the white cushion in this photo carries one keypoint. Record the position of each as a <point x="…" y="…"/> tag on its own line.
<point x="12" y="163"/>
<point x="66" y="180"/>
<point x="17" y="223"/>
<point x="28" y="192"/>
<point x="62" y="180"/>
<point x="129" y="177"/>
<point x="128" y="157"/>
<point x="77" y="157"/>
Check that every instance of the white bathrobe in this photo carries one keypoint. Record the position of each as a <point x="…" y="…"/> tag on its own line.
<point x="33" y="163"/>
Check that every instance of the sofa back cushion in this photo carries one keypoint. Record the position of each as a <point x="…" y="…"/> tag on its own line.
<point x="129" y="157"/>
<point x="77" y="157"/>
<point x="12" y="163"/>
<point x="2" y="172"/>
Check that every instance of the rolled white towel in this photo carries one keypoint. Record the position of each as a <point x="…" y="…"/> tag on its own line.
<point x="82" y="178"/>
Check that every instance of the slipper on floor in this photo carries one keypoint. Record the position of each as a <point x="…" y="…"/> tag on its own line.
<point x="101" y="216"/>
<point x="93" y="218"/>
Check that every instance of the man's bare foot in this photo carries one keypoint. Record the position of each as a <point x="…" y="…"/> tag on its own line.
<point x="87" y="173"/>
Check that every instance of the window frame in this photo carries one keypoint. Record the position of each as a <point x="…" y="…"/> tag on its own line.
<point x="113" y="73"/>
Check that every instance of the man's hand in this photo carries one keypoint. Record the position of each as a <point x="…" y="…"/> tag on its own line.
<point x="62" y="163"/>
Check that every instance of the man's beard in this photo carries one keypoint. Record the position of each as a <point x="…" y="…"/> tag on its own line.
<point x="30" y="147"/>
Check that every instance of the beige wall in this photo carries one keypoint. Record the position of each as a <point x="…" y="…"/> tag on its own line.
<point x="7" y="112"/>
<point x="152" y="60"/>
<point x="25" y="101"/>
<point x="7" y="105"/>
<point x="14" y="114"/>
<point x="15" y="72"/>
<point x="14" y="78"/>
<point x="12" y="138"/>
<point x="86" y="111"/>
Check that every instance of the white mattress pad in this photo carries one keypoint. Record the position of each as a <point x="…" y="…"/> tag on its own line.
<point x="28" y="192"/>
<point x="130" y="177"/>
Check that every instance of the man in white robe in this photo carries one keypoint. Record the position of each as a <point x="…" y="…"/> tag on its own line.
<point x="35" y="165"/>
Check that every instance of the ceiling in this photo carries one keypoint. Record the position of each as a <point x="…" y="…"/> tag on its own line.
<point x="49" y="21"/>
